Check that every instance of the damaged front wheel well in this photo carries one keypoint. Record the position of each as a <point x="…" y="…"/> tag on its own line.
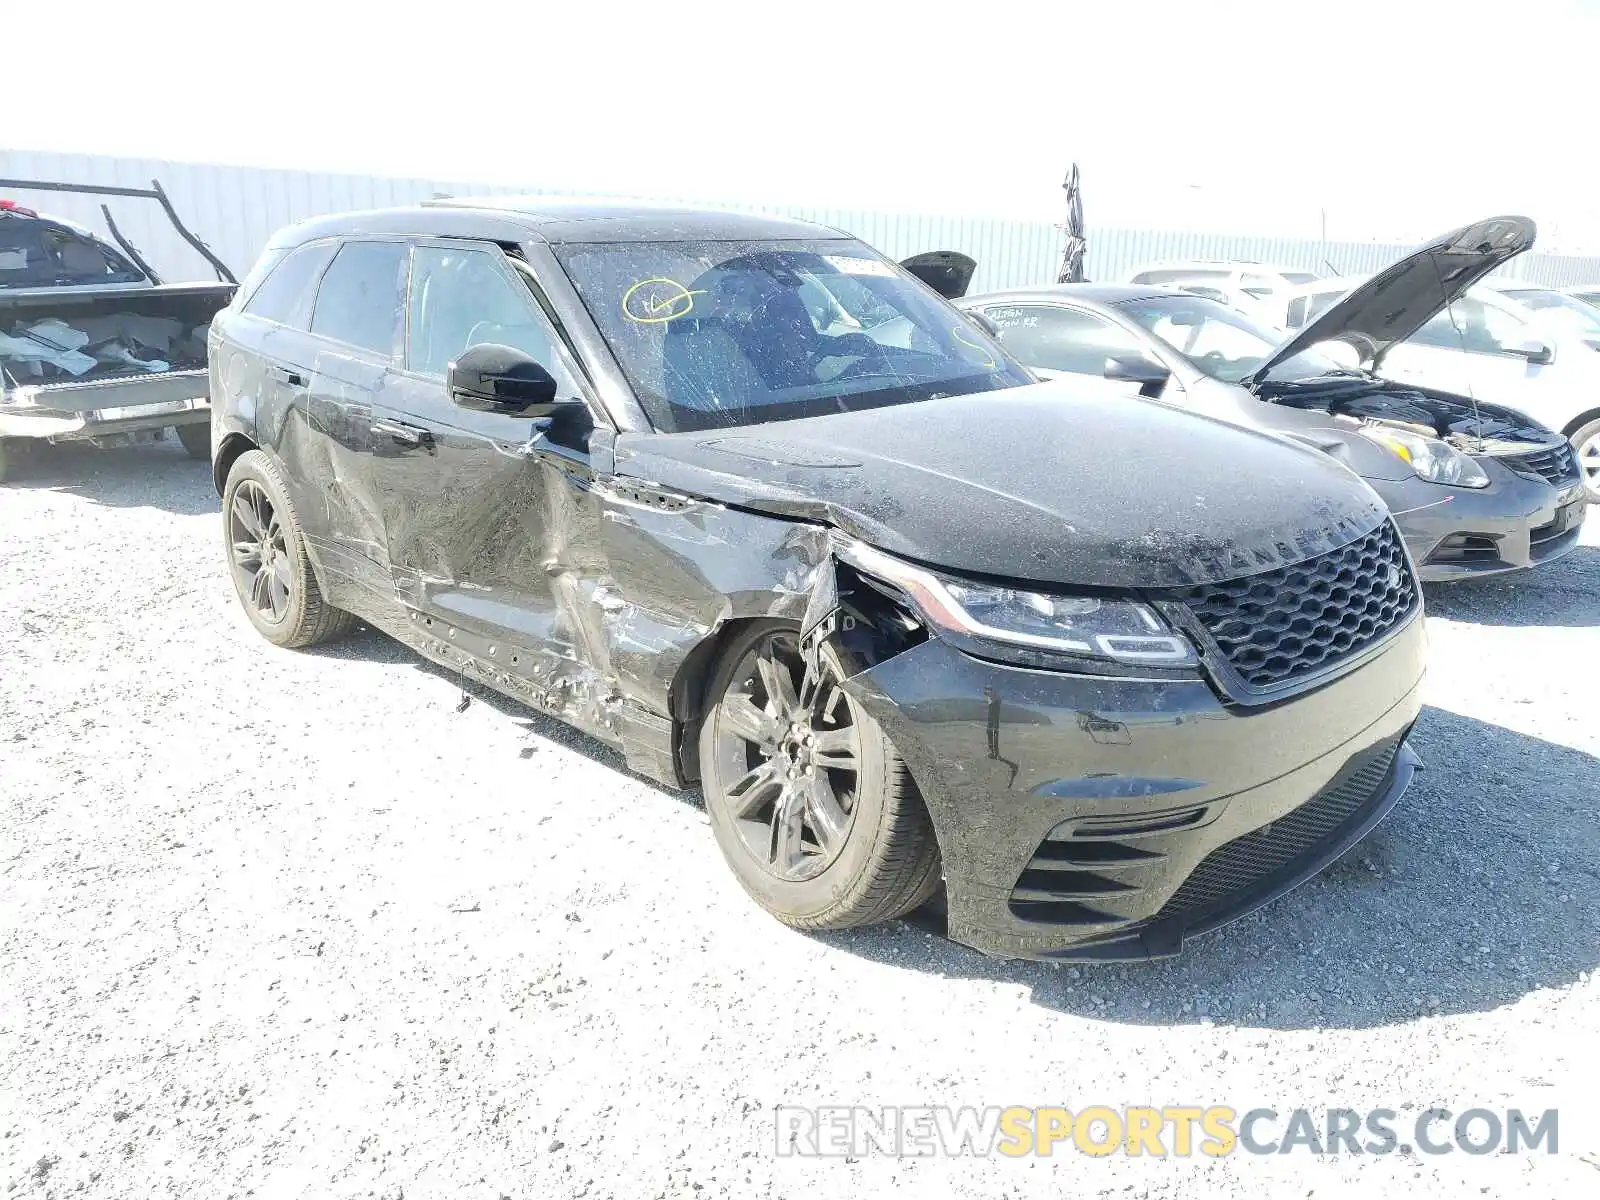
<point x="689" y="699"/>
<point x="874" y="624"/>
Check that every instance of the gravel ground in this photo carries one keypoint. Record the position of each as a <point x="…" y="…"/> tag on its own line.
<point x="284" y="924"/>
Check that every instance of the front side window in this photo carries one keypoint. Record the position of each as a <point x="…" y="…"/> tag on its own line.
<point x="284" y="296"/>
<point x="1478" y="328"/>
<point x="714" y="334"/>
<point x="1561" y="312"/>
<point x="361" y="297"/>
<point x="1061" y="339"/>
<point x="462" y="297"/>
<point x="1220" y="341"/>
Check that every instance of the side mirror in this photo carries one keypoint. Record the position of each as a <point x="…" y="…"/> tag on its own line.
<point x="984" y="322"/>
<point x="504" y="380"/>
<point x="1535" y="351"/>
<point x="1150" y="375"/>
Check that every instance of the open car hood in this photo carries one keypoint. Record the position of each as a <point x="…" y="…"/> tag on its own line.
<point x="1401" y="299"/>
<point x="947" y="272"/>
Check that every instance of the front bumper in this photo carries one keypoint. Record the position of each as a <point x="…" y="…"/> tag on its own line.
<point x="105" y="408"/>
<point x="1108" y="819"/>
<point x="1515" y="523"/>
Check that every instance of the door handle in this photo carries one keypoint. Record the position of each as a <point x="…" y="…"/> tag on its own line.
<point x="406" y="435"/>
<point x="290" y="377"/>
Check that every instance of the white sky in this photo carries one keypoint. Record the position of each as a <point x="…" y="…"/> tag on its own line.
<point x="1400" y="118"/>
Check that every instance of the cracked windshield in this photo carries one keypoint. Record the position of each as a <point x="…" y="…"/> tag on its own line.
<point x="715" y="334"/>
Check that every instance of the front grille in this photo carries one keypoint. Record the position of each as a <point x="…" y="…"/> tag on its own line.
<point x="1280" y="625"/>
<point x="1557" y="465"/>
<point x="1239" y="866"/>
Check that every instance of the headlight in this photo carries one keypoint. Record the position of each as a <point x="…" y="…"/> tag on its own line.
<point x="1049" y="625"/>
<point x="1430" y="458"/>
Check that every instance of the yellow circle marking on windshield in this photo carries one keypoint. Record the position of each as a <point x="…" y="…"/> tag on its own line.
<point x="658" y="300"/>
<point x="988" y="358"/>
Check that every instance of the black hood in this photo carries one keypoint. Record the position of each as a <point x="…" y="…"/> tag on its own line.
<point x="1401" y="299"/>
<point x="1041" y="483"/>
<point x="947" y="272"/>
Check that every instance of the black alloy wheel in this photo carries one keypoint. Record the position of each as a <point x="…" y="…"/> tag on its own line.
<point x="787" y="738"/>
<point x="267" y="559"/>
<point x="813" y="810"/>
<point x="261" y="565"/>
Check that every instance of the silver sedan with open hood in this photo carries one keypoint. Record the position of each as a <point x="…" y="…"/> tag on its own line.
<point x="1475" y="487"/>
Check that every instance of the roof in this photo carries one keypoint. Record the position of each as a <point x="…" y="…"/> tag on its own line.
<point x="1092" y="293"/>
<point x="560" y="219"/>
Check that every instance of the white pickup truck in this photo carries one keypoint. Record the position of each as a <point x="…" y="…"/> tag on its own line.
<point x="94" y="345"/>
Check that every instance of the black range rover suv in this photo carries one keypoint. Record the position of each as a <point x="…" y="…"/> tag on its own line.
<point x="745" y="499"/>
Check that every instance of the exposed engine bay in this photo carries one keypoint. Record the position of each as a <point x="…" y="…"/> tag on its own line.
<point x="1468" y="426"/>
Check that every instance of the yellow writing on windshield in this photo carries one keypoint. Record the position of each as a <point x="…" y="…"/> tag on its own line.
<point x="657" y="300"/>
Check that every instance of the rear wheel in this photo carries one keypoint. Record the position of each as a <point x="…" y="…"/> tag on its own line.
<point x="812" y="808"/>
<point x="1586" y="440"/>
<point x="267" y="559"/>
<point x="196" y="440"/>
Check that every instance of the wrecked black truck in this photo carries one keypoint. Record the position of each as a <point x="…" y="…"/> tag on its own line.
<point x="94" y="345"/>
<point x="747" y="501"/>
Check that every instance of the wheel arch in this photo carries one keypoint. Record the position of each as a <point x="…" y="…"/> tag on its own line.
<point x="1579" y="421"/>
<point x="228" y="453"/>
<point x="690" y="687"/>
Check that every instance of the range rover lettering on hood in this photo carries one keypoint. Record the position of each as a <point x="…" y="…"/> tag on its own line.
<point x="1401" y="299"/>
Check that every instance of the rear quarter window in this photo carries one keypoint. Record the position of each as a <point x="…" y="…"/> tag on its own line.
<point x="284" y="297"/>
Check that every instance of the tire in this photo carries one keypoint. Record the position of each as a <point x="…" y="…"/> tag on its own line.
<point x="1586" y="441"/>
<point x="869" y="856"/>
<point x="5" y="460"/>
<point x="266" y="556"/>
<point x="196" y="439"/>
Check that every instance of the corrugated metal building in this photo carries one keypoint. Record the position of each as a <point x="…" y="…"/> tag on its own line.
<point x="235" y="210"/>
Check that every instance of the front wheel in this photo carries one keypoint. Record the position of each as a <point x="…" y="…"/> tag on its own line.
<point x="812" y="808"/>
<point x="267" y="559"/>
<point x="1586" y="441"/>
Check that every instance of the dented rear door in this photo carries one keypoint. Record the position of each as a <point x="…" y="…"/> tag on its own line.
<point x="350" y="351"/>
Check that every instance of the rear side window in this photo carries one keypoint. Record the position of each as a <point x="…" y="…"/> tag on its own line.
<point x="1061" y="339"/>
<point x="362" y="296"/>
<point x="284" y="296"/>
